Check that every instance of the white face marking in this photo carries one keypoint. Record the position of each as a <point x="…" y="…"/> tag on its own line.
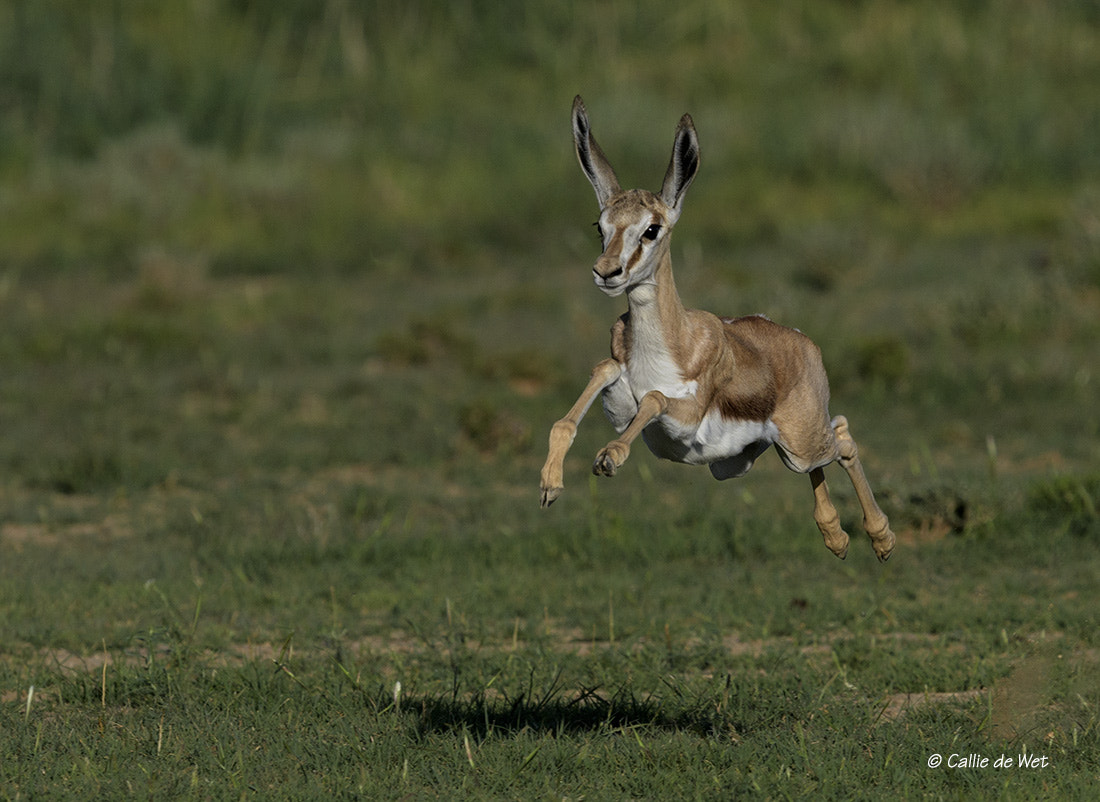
<point x="629" y="256"/>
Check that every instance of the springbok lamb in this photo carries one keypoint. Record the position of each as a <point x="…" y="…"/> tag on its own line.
<point x="700" y="389"/>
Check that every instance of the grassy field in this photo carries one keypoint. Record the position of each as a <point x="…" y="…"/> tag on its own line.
<point x="289" y="303"/>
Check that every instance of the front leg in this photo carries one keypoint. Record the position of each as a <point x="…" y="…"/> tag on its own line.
<point x="562" y="433"/>
<point x="614" y="454"/>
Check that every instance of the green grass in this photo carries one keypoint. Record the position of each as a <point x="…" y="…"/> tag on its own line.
<point x="290" y="303"/>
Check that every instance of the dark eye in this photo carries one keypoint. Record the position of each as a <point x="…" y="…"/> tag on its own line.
<point x="599" y="231"/>
<point x="652" y="232"/>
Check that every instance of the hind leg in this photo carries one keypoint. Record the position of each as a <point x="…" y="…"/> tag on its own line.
<point x="806" y="446"/>
<point x="874" y="520"/>
<point x="828" y="521"/>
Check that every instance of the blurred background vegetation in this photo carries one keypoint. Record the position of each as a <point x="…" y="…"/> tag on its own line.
<point x="373" y="127"/>
<point x="915" y="184"/>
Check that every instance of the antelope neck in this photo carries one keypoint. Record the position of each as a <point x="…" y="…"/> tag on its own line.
<point x="656" y="308"/>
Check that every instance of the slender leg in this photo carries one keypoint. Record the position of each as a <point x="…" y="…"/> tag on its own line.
<point x="874" y="520"/>
<point x="828" y="521"/>
<point x="611" y="457"/>
<point x="562" y="433"/>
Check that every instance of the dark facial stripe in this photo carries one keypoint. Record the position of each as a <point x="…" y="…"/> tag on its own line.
<point x="608" y="263"/>
<point x="634" y="257"/>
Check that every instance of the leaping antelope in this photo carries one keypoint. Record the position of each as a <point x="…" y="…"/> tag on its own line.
<point x="700" y="389"/>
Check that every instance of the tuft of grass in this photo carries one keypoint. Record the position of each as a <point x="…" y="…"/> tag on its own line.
<point x="1071" y="501"/>
<point x="884" y="359"/>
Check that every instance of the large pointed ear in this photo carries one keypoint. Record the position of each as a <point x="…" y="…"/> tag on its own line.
<point x="593" y="162"/>
<point x="682" y="167"/>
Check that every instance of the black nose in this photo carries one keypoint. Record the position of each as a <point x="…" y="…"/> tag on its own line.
<point x="612" y="274"/>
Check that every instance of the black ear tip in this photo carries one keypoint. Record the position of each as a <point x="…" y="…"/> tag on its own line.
<point x="580" y="119"/>
<point x="686" y="128"/>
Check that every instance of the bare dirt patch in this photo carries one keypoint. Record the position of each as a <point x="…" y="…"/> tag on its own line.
<point x="900" y="704"/>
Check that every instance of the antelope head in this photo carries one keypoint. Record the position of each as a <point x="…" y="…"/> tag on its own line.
<point x="635" y="224"/>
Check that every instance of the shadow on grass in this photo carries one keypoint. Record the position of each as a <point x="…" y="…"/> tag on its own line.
<point x="587" y="712"/>
<point x="721" y="709"/>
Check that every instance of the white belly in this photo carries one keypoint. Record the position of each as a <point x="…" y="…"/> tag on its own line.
<point x="714" y="440"/>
